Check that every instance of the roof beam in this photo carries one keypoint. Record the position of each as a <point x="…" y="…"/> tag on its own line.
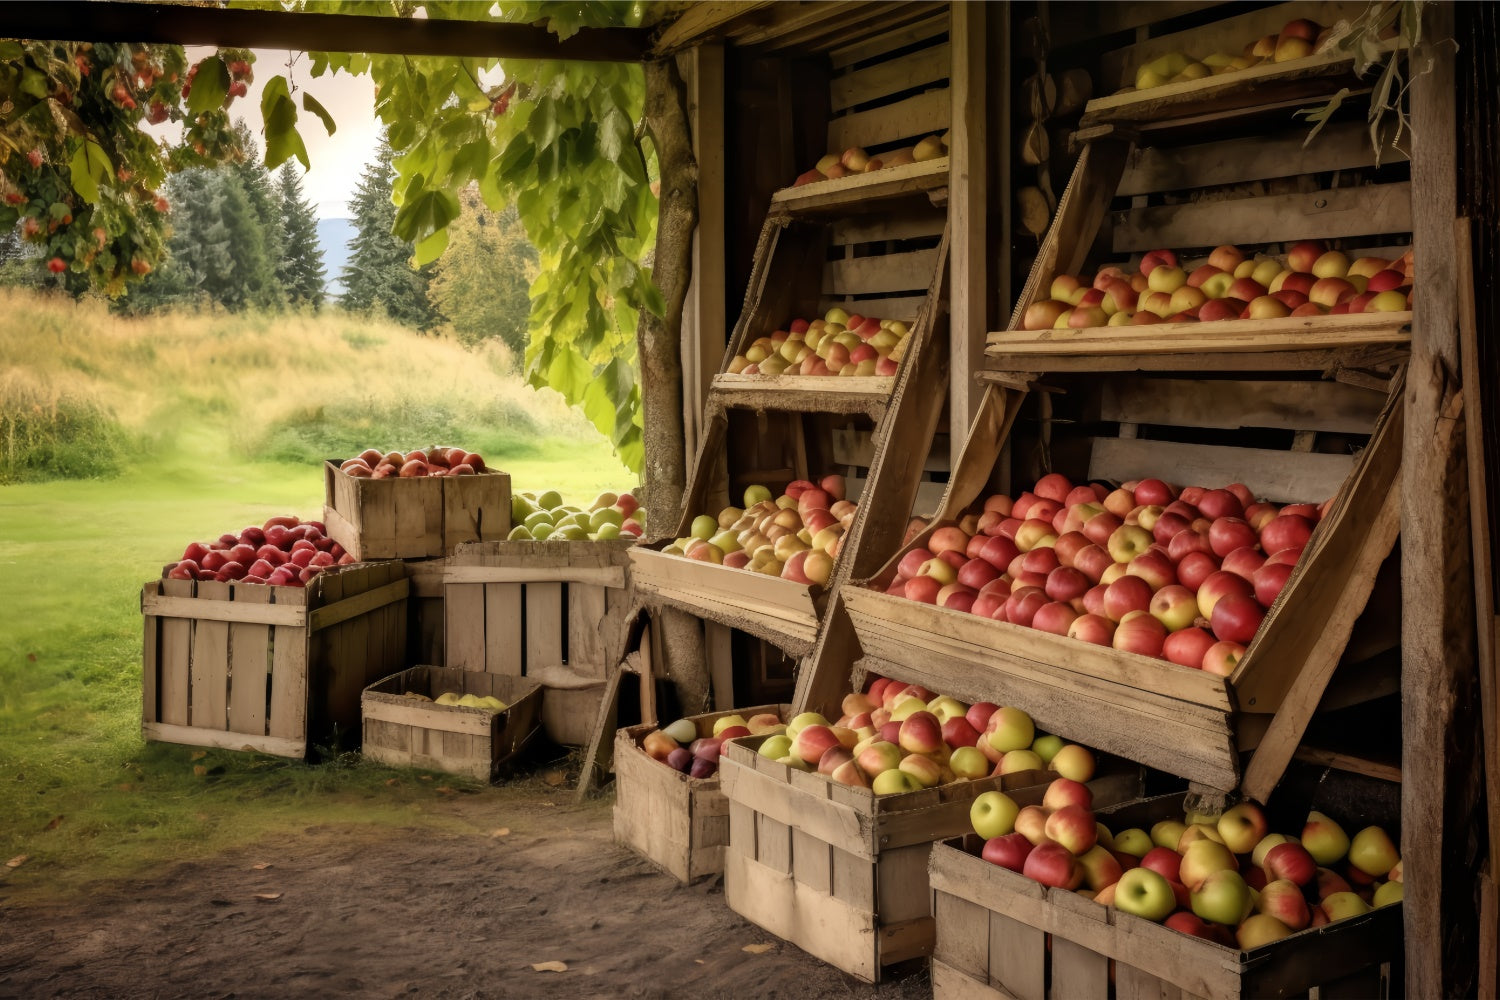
<point x="181" y="24"/>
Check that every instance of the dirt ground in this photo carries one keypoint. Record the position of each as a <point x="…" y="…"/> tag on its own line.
<point x="365" y="911"/>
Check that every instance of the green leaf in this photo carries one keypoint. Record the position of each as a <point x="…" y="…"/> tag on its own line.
<point x="88" y="166"/>
<point x="471" y="162"/>
<point x="424" y="213"/>
<point x="431" y="248"/>
<point x="280" y="115"/>
<point x="10" y="49"/>
<point x="210" y="86"/>
<point x="310" y="103"/>
<point x="34" y="83"/>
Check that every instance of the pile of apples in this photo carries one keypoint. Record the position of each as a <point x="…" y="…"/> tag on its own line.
<point x="373" y="463"/>
<point x="837" y="344"/>
<point x="1310" y="280"/>
<point x="1225" y="879"/>
<point x="1186" y="575"/>
<point x="855" y="160"/>
<point x="540" y="516"/>
<point x="488" y="702"/>
<point x="901" y="738"/>
<point x="286" y="551"/>
<point x="1296" y="40"/>
<point x="681" y="748"/>
<point x="795" y="536"/>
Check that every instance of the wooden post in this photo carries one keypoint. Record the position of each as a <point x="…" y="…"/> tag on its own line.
<point x="1440" y="787"/>
<point x="659" y="337"/>
<point x="968" y="207"/>
<point x="704" y="314"/>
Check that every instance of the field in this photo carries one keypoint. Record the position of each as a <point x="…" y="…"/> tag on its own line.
<point x="191" y="426"/>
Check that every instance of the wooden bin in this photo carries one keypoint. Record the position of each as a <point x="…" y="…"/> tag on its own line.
<point x="414" y="518"/>
<point x="269" y="669"/>
<point x="473" y="742"/>
<point x="551" y="611"/>
<point x="841" y="872"/>
<point x="1002" y="935"/>
<point x="1178" y="719"/>
<point x="680" y="824"/>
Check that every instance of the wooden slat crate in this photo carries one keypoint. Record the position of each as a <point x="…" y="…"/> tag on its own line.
<point x="1175" y="718"/>
<point x="1289" y="84"/>
<point x="414" y="518"/>
<point x="551" y="611"/>
<point x="679" y="823"/>
<point x="276" y="670"/>
<point x="1261" y="193"/>
<point x="1002" y="935"/>
<point x="473" y="742"/>
<point x="841" y="872"/>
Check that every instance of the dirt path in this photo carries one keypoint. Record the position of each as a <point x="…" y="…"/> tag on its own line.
<point x="364" y="911"/>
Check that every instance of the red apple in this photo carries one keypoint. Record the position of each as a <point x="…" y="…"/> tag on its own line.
<point x="1194" y="568"/>
<point x="1023" y="604"/>
<point x="1222" y="658"/>
<point x="1219" y="585"/>
<point x="1052" y="865"/>
<point x="1269" y="581"/>
<point x="1188" y="646"/>
<point x="1138" y="632"/>
<point x="1155" y="568"/>
<point x="1244" y="561"/>
<point x="1127" y="594"/>
<point x="959" y="732"/>
<point x="1067" y="584"/>
<point x="1164" y="861"/>
<point x="1236" y="618"/>
<point x="1008" y="851"/>
<point x="1092" y="628"/>
<point x="998" y="551"/>
<point x="1286" y="531"/>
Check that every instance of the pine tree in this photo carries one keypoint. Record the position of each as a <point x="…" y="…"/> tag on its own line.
<point x="300" y="269"/>
<point x="482" y="282"/>
<point x="379" y="276"/>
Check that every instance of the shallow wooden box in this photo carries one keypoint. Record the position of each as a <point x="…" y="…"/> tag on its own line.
<point x="1178" y="719"/>
<point x="680" y="824"/>
<point x="841" y="872"/>
<point x="268" y="669"/>
<point x="474" y="742"/>
<point x="1002" y="935"/>
<point x="414" y="518"/>
<point x="551" y="611"/>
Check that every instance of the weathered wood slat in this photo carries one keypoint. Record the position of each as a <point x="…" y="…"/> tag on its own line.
<point x="913" y="118"/>
<point x="897" y="272"/>
<point x="1232" y="404"/>
<point x="842" y="193"/>
<point x="861" y="86"/>
<point x="1285" y="476"/>
<point x="1302" y="333"/>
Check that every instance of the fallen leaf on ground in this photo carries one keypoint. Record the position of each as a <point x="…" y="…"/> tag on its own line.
<point x="30" y="657"/>
<point x="392" y="781"/>
<point x="426" y="777"/>
<point x="18" y="861"/>
<point x="198" y="755"/>
<point x="699" y="961"/>
<point x="199" y="770"/>
<point x="504" y="831"/>
<point x="445" y="790"/>
<point x="550" y="966"/>
<point x="554" y="778"/>
<point x="54" y="824"/>
<point x="758" y="949"/>
<point x="269" y="897"/>
<point x="261" y="866"/>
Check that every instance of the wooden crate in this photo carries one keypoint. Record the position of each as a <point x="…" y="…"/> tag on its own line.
<point x="414" y="518"/>
<point x="1002" y="935"/>
<point x="680" y="824"/>
<point x="1174" y="718"/>
<point x="474" y="742"/>
<point x="552" y="611"/>
<point x="841" y="872"/>
<point x="275" y="670"/>
<point x="1284" y="86"/>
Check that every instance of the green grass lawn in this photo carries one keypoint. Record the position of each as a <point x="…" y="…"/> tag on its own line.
<point x="81" y="795"/>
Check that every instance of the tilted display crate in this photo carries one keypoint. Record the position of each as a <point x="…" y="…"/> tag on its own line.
<point x="551" y="611"/>
<point x="271" y="669"/>
<point x="679" y="823"/>
<point x="473" y="742"/>
<point x="841" y="872"/>
<point x="418" y="518"/>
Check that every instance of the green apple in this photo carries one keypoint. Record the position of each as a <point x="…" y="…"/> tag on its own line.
<point x="683" y="731"/>
<point x="1010" y="729"/>
<point x="801" y="722"/>
<point x="549" y="500"/>
<point x="1324" y="839"/>
<point x="1018" y="761"/>
<point x="1145" y="893"/>
<point x="756" y="494"/>
<point x="793" y="761"/>
<point x="605" y="515"/>
<point x="969" y="763"/>
<point x="1372" y="852"/>
<point x="893" y="782"/>
<point x="704" y="526"/>
<point x="1134" y="841"/>
<point x="993" y="814"/>
<point x="946" y="708"/>
<point x="521" y="508"/>
<point x="907" y="706"/>
<point x="542" y="532"/>
<point x="1259" y="929"/>
<point x="1222" y="898"/>
<point x="1388" y="893"/>
<point x="776" y="747"/>
<point x="520" y="533"/>
<point x="1167" y="833"/>
<point x="726" y="542"/>
<point x="538" y="519"/>
<point x="571" y="532"/>
<point x="1046" y="747"/>
<point x="607" y="531"/>
<point x="1342" y="905"/>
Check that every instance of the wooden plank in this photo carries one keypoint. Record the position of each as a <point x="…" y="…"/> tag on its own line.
<point x="963" y="936"/>
<point x="361" y="603"/>
<point x="599" y="576"/>
<point x="865" y="189"/>
<point x="1114" y="18"/>
<point x="812" y="862"/>
<point x="435" y="718"/>
<point x="861" y="86"/>
<point x="583" y="623"/>
<point x="806" y="393"/>
<point x="873" y="275"/>
<point x="704" y="329"/>
<point x="718" y="647"/>
<point x="503" y="629"/>
<point x="1310" y="405"/>
<point x="932" y="23"/>
<point x="1302" y="333"/>
<point x="1133" y="984"/>
<point x="1279" y="475"/>
<point x="195" y="737"/>
<point x="901" y="880"/>
<point x="1018" y="958"/>
<point x="901" y="223"/>
<point x="903" y="307"/>
<point x="464" y="626"/>
<point x="968" y="211"/>
<point x="150" y="658"/>
<point x="169" y="606"/>
<point x="856" y="447"/>
<point x="701" y="21"/>
<point x="1371" y="210"/>
<point x="208" y="693"/>
<point x="949" y="983"/>
<point x="544" y="625"/>
<point x="249" y="662"/>
<point x="913" y="118"/>
<point x="1077" y="971"/>
<point x="779" y="803"/>
<point x="1340" y="146"/>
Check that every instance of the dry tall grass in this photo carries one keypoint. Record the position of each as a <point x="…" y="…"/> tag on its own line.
<point x="261" y="378"/>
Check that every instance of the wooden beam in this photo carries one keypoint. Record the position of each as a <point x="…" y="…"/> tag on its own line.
<point x="184" y="24"/>
<point x="968" y="208"/>
<point x="703" y="321"/>
<point x="1439" y="791"/>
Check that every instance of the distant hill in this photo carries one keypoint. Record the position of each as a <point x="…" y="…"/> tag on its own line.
<point x="333" y="237"/>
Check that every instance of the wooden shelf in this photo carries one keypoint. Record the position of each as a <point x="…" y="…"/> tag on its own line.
<point x="779" y="611"/>
<point x="1243" y="92"/>
<point x="845" y="194"/>
<point x="805" y="393"/>
<point x="1103" y="346"/>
